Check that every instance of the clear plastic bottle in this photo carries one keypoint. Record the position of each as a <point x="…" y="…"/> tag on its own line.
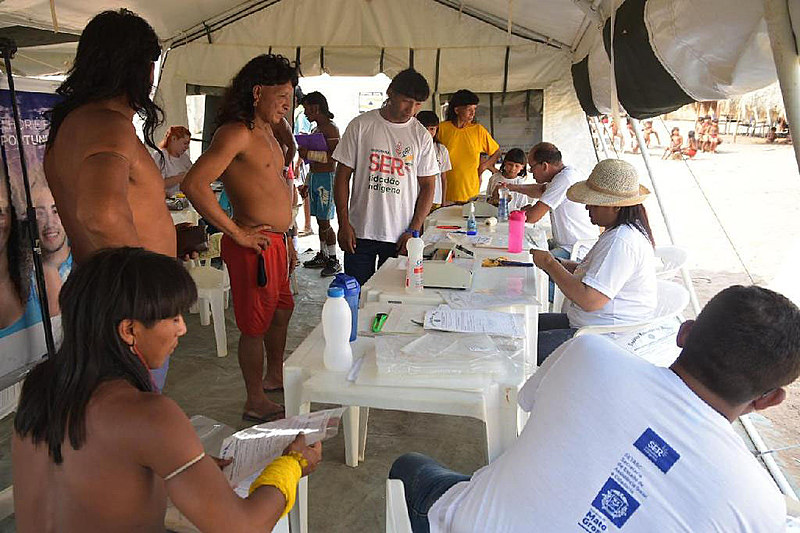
<point x="336" y="326"/>
<point x="502" y="204"/>
<point x="414" y="269"/>
<point x="472" y="224"/>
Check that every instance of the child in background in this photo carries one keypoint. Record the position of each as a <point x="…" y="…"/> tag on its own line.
<point x="691" y="145"/>
<point x="514" y="170"/>
<point x="675" y="147"/>
<point x="430" y="120"/>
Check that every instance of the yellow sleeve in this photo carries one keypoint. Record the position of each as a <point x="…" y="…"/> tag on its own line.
<point x="489" y="144"/>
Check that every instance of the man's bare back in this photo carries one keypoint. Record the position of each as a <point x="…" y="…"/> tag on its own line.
<point x="107" y="188"/>
<point x="104" y="481"/>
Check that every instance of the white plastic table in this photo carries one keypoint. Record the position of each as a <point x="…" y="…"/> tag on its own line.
<point x="494" y="400"/>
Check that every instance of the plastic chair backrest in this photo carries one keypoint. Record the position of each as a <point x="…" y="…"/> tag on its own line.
<point x="581" y="248"/>
<point x="669" y="260"/>
<point x="672" y="300"/>
<point x="397" y="520"/>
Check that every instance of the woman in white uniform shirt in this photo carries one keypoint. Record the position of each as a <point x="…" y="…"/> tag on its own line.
<point x="616" y="281"/>
<point x="175" y="162"/>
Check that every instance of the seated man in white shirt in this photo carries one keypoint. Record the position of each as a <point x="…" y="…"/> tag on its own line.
<point x="569" y="220"/>
<point x="614" y="443"/>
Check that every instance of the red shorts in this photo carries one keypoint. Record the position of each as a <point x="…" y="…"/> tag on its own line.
<point x="254" y="306"/>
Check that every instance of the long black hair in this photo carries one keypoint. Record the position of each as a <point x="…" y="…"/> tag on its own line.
<point x="113" y="285"/>
<point x="237" y="102"/>
<point x="318" y="99"/>
<point x="635" y="216"/>
<point x="115" y="56"/>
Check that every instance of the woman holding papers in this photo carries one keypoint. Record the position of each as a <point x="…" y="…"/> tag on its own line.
<point x="616" y="281"/>
<point x="95" y="449"/>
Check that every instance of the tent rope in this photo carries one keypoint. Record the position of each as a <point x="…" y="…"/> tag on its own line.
<point x="717" y="217"/>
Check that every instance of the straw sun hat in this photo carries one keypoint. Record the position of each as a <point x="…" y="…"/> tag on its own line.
<point x="612" y="183"/>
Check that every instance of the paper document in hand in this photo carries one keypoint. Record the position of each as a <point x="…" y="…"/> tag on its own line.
<point x="444" y="318"/>
<point x="254" y="448"/>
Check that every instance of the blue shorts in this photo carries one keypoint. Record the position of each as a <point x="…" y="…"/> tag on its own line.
<point x="320" y="195"/>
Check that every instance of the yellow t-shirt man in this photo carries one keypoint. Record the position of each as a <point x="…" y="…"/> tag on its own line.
<point x="465" y="146"/>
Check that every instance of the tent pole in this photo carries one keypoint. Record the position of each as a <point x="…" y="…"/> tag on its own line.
<point x="600" y="136"/>
<point x="687" y="279"/>
<point x="784" y="53"/>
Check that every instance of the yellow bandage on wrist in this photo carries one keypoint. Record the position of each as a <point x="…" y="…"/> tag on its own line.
<point x="317" y="156"/>
<point x="283" y="473"/>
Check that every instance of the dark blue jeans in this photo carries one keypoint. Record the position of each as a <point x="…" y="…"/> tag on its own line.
<point x="554" y="331"/>
<point x="361" y="265"/>
<point x="424" y="481"/>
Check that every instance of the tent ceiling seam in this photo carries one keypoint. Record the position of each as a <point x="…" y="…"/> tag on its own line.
<point x="518" y="31"/>
<point x="198" y="30"/>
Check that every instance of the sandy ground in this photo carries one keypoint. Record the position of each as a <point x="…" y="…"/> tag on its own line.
<point x="736" y="212"/>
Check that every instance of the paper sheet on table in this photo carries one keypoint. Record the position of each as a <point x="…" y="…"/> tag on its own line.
<point x="444" y="318"/>
<point x="400" y="319"/>
<point x="254" y="448"/>
<point x="486" y="300"/>
<point x="469" y="240"/>
<point x="432" y="238"/>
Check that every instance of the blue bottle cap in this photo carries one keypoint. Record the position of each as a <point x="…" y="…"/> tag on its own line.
<point x="415" y="234"/>
<point x="335" y="292"/>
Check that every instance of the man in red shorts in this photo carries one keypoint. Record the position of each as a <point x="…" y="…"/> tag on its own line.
<point x="249" y="160"/>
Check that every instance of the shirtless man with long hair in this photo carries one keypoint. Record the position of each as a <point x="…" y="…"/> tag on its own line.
<point x="246" y="156"/>
<point x="107" y="189"/>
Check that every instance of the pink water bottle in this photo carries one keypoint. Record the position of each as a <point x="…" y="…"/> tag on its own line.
<point x="516" y="231"/>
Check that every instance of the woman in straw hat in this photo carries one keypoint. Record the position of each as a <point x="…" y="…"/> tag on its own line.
<point x="616" y="281"/>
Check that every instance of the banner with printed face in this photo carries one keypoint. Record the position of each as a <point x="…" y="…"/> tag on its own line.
<point x="22" y="342"/>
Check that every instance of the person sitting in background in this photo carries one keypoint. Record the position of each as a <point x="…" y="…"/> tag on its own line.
<point x="614" y="443"/>
<point x="673" y="151"/>
<point x="691" y="145"/>
<point x="616" y="281"/>
<point x="514" y="172"/>
<point x="430" y="120"/>
<point x="95" y="448"/>
<point x="172" y="158"/>
<point x="772" y="135"/>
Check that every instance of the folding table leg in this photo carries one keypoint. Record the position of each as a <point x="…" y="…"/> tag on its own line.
<point x="362" y="432"/>
<point x="501" y="422"/>
<point x="351" y="435"/>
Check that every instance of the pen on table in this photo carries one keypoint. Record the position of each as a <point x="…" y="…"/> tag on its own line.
<point x="448" y="227"/>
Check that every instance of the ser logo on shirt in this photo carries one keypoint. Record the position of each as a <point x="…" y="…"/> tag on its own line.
<point x="386" y="170"/>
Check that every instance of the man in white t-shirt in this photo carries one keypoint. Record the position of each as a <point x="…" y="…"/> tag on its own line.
<point x="614" y="443"/>
<point x="391" y="159"/>
<point x="569" y="220"/>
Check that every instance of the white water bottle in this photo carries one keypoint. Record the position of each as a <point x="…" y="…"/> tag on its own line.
<point x="414" y="269"/>
<point x="336" y="325"/>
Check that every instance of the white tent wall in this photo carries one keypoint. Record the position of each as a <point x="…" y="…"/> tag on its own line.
<point x="471" y="55"/>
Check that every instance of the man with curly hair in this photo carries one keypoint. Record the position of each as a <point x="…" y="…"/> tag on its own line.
<point x="246" y="156"/>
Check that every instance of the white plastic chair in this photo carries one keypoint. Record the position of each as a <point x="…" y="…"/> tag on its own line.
<point x="579" y="251"/>
<point x="211" y="302"/>
<point x="214" y="251"/>
<point x="670" y="259"/>
<point x="397" y="520"/>
<point x="672" y="300"/>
